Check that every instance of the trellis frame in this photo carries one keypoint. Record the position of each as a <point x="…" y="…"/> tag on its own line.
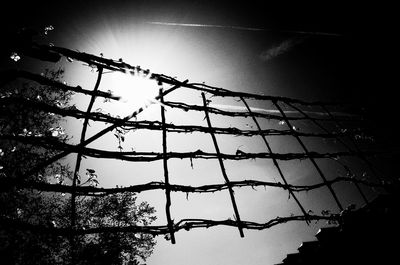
<point x="171" y="228"/>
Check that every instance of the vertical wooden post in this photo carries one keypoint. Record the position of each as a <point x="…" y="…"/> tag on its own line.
<point x="322" y="175"/>
<point x="78" y="164"/>
<point x="166" y="175"/>
<point x="276" y="164"/>
<point x="337" y="138"/>
<point x="99" y="134"/>
<point x="366" y="161"/>
<point x="221" y="163"/>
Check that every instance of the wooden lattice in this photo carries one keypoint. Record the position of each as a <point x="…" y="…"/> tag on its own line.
<point x="327" y="112"/>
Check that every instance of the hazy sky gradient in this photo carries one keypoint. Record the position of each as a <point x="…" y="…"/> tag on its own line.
<point x="284" y="60"/>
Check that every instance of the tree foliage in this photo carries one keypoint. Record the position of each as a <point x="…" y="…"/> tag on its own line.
<point x="115" y="210"/>
<point x="20" y="125"/>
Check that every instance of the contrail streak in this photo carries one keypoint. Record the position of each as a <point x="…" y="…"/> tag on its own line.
<point x="242" y="28"/>
<point x="274" y="111"/>
<point x="203" y="26"/>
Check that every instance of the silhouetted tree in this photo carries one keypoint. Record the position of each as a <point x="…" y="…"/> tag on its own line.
<point x="27" y="137"/>
<point x="115" y="210"/>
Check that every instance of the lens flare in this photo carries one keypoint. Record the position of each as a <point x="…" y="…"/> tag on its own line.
<point x="136" y="91"/>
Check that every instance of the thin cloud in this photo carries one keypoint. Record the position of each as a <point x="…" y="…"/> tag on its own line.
<point x="281" y="48"/>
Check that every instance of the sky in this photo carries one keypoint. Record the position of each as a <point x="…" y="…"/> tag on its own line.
<point x="329" y="51"/>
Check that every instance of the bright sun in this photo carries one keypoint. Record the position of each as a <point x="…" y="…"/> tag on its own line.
<point x="135" y="91"/>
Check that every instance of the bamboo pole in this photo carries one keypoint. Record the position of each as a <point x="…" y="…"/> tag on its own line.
<point x="336" y="138"/>
<point x="166" y="175"/>
<point x="221" y="164"/>
<point x="119" y="65"/>
<point x="276" y="164"/>
<point x="94" y="137"/>
<point x="184" y="224"/>
<point x="321" y="174"/>
<point x="78" y="163"/>
<point x="270" y="116"/>
<point x="9" y="184"/>
<point x="10" y="75"/>
<point x="357" y="148"/>
<point x="51" y="143"/>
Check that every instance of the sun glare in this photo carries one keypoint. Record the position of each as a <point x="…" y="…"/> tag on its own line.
<point x="136" y="91"/>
